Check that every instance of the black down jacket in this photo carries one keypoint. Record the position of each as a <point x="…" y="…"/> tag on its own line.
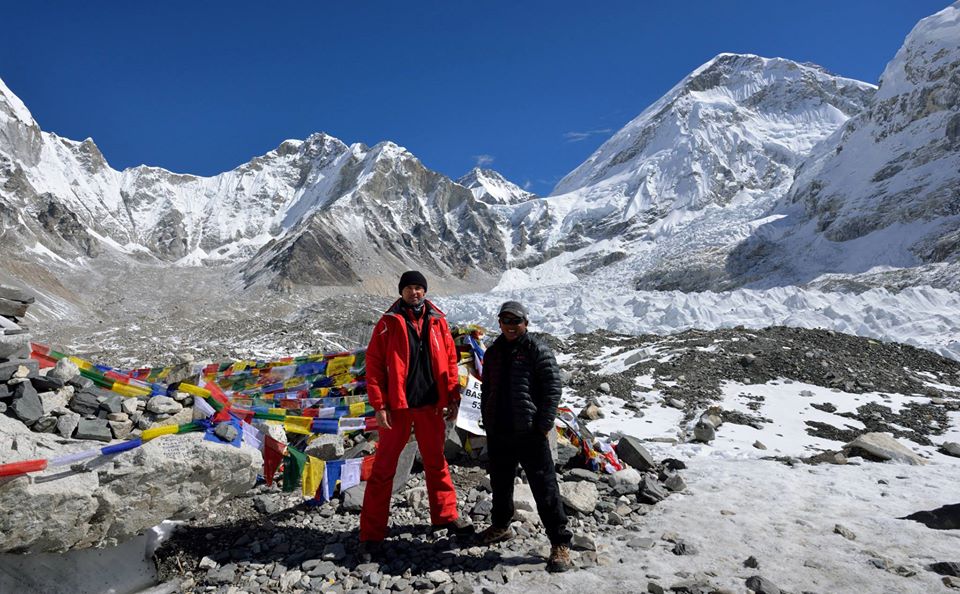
<point x="521" y="386"/>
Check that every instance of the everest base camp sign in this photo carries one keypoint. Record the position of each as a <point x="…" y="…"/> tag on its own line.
<point x="468" y="418"/>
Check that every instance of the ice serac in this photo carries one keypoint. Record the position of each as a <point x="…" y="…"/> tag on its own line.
<point x="884" y="190"/>
<point x="489" y="186"/>
<point x="668" y="194"/>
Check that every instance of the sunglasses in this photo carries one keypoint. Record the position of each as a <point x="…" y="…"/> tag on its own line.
<point x="511" y="321"/>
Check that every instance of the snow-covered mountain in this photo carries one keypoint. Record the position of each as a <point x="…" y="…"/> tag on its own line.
<point x="489" y="186"/>
<point x="679" y="185"/>
<point x="884" y="190"/>
<point x="324" y="213"/>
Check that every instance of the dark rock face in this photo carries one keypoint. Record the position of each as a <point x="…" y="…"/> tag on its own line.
<point x="63" y="223"/>
<point x="26" y="404"/>
<point x="942" y="518"/>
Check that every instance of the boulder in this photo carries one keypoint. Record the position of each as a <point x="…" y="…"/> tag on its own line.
<point x="353" y="498"/>
<point x="325" y="447"/>
<point x="951" y="448"/>
<point x="11" y="344"/>
<point x="581" y="496"/>
<point x="94" y="429"/>
<point x="65" y="370"/>
<point x="625" y="482"/>
<point x="45" y="383"/>
<point x="651" y="491"/>
<point x="591" y="412"/>
<point x="84" y="403"/>
<point x="163" y="405"/>
<point x="9" y="368"/>
<point x="883" y="447"/>
<point x="704" y="432"/>
<point x="523" y="498"/>
<point x="26" y="404"/>
<point x="67" y="423"/>
<point x="172" y="477"/>
<point x="630" y="451"/>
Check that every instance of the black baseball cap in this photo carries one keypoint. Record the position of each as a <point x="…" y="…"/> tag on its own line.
<point x="513" y="307"/>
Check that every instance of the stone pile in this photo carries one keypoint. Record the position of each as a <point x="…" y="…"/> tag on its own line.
<point x="271" y="541"/>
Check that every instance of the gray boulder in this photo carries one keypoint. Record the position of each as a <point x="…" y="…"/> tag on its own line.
<point x="626" y="481"/>
<point x="353" y="498"/>
<point x="651" y="491"/>
<point x="633" y="453"/>
<point x="882" y="446"/>
<point x="951" y="448"/>
<point x="64" y="370"/>
<point x="581" y="496"/>
<point x="67" y="423"/>
<point x="98" y="429"/>
<point x="761" y="585"/>
<point x="9" y="368"/>
<point x="84" y="403"/>
<point x="173" y="477"/>
<point x="11" y="344"/>
<point x="26" y="404"/>
<point x="163" y="405"/>
<point x="326" y="447"/>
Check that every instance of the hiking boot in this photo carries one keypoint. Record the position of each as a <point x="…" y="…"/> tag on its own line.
<point x="494" y="534"/>
<point x="460" y="527"/>
<point x="559" y="559"/>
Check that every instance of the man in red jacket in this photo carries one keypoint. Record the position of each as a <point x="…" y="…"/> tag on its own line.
<point x="411" y="380"/>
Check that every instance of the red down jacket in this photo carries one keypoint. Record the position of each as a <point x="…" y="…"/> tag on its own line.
<point x="389" y="352"/>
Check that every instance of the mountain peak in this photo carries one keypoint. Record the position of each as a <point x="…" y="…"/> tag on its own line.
<point x="12" y="107"/>
<point x="488" y="185"/>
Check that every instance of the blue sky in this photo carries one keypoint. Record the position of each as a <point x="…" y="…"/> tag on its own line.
<point x="527" y="88"/>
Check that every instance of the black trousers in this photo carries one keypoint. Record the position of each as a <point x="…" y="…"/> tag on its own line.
<point x="532" y="452"/>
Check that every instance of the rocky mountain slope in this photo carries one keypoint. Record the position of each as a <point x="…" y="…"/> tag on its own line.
<point x="489" y="186"/>
<point x="884" y="190"/>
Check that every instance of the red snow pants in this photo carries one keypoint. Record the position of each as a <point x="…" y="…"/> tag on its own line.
<point x="430" y="430"/>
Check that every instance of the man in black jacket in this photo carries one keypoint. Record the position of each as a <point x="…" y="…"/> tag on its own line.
<point x="518" y="402"/>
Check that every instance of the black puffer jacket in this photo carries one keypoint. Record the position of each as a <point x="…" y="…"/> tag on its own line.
<point x="521" y="386"/>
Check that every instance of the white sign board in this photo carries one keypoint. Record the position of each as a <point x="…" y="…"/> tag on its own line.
<point x="468" y="418"/>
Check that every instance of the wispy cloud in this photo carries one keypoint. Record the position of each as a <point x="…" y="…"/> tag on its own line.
<point x="578" y="136"/>
<point x="527" y="184"/>
<point x="483" y="160"/>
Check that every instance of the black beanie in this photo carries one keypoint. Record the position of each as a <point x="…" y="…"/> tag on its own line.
<point x="412" y="277"/>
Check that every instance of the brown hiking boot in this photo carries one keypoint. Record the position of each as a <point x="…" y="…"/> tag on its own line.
<point x="559" y="559"/>
<point x="494" y="534"/>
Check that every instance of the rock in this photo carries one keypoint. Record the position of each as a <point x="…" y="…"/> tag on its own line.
<point x="580" y="474"/>
<point x="84" y="402"/>
<point x="67" y="424"/>
<point x="266" y="504"/>
<point x="604" y="387"/>
<point x="353" y="498"/>
<point x="9" y="368"/>
<point x="761" y="585"/>
<point x="121" y="429"/>
<point x="106" y="505"/>
<point x="951" y="448"/>
<point x="118" y="417"/>
<point x="675" y="403"/>
<point x="417" y="500"/>
<point x="334" y="552"/>
<point x="17" y="294"/>
<point x="675" y="483"/>
<point x="94" y="429"/>
<point x="844" y="532"/>
<point x="65" y="370"/>
<point x="950" y="568"/>
<point x="674" y="464"/>
<point x="565" y="452"/>
<point x="523" y="498"/>
<point x="655" y="588"/>
<point x="651" y="491"/>
<point x="580" y="496"/>
<point x="81" y="383"/>
<point x="45" y="383"/>
<point x="591" y="412"/>
<point x="453" y="446"/>
<point x="682" y="548"/>
<point x="14" y="345"/>
<point x="438" y="576"/>
<point x="884" y="447"/>
<point x="751" y="562"/>
<point x="26" y="405"/>
<point x="326" y="447"/>
<point x="163" y="405"/>
<point x="625" y="482"/>
<point x="226" y="431"/>
<point x="52" y="401"/>
<point x="222" y="575"/>
<point x="45" y="425"/>
<point x="130" y="406"/>
<point x="583" y="542"/>
<point x="112" y="403"/>
<point x="630" y="451"/>
<point x="759" y="445"/>
<point x="704" y="432"/>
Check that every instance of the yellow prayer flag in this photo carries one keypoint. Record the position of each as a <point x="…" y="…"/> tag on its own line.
<point x="342" y="379"/>
<point x="300" y="425"/>
<point x="357" y="409"/>
<point x="312" y="476"/>
<point x="340" y="365"/>
<point x="195" y="390"/>
<point x="278" y="411"/>
<point x="81" y="363"/>
<point x="152" y="432"/>
<point x="129" y="391"/>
